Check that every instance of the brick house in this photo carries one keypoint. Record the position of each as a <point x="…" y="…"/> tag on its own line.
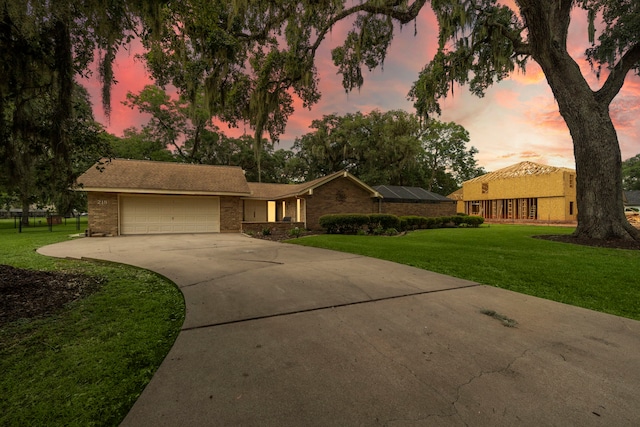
<point x="145" y="197"/>
<point x="525" y="191"/>
<point x="305" y="203"/>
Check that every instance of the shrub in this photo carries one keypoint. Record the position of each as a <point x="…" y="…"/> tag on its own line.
<point x="295" y="232"/>
<point x="434" y="222"/>
<point x="411" y="222"/>
<point x="383" y="220"/>
<point x="343" y="223"/>
<point x="457" y="220"/>
<point x="266" y="231"/>
<point x="474" y="221"/>
<point x="391" y="232"/>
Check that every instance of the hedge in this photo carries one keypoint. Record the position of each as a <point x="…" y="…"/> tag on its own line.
<point x="382" y="223"/>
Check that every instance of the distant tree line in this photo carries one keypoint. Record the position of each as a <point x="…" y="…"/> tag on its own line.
<point x="381" y="148"/>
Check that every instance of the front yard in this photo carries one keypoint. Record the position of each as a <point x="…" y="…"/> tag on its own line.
<point x="506" y="256"/>
<point x="78" y="348"/>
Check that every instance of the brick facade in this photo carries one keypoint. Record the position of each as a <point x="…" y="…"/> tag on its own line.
<point x="419" y="209"/>
<point x="230" y="214"/>
<point x="103" y="213"/>
<point x="339" y="196"/>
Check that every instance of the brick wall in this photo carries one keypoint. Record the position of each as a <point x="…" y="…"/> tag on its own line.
<point x="419" y="209"/>
<point x="103" y="213"/>
<point x="230" y="214"/>
<point x="335" y="197"/>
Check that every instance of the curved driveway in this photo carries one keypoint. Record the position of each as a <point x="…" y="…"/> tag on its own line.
<point x="285" y="335"/>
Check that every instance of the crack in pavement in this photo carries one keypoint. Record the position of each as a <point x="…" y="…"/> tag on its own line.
<point x="328" y="307"/>
<point x="233" y="273"/>
<point x="483" y="373"/>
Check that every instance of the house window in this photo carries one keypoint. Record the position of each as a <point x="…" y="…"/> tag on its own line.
<point x="485" y="188"/>
<point x="475" y="208"/>
<point x="570" y="208"/>
<point x="571" y="181"/>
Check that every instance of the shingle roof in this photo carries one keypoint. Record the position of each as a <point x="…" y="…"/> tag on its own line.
<point x="632" y="198"/>
<point x="261" y="190"/>
<point x="138" y="176"/>
<point x="282" y="191"/>
<point x="519" y="170"/>
<point x="414" y="194"/>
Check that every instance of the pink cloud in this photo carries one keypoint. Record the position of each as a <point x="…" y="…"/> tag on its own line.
<point x="506" y="98"/>
<point x="518" y="119"/>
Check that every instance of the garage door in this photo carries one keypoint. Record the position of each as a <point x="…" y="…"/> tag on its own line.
<point x="169" y="214"/>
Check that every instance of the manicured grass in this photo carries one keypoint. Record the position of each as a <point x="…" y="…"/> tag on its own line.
<point x="506" y="256"/>
<point x="87" y="364"/>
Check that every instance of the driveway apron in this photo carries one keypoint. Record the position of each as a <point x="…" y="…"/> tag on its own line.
<point x="284" y="335"/>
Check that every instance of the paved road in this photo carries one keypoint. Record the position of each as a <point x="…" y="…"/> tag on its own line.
<point x="283" y="335"/>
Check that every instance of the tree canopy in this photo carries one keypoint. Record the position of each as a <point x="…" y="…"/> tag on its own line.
<point x="251" y="57"/>
<point x="631" y="173"/>
<point x="481" y="42"/>
<point x="390" y="148"/>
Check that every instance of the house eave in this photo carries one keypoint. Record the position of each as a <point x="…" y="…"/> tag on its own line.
<point x="157" y="191"/>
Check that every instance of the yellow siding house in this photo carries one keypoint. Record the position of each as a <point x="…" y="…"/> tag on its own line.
<point x="526" y="191"/>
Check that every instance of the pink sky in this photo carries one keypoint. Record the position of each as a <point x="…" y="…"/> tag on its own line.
<point x="517" y="119"/>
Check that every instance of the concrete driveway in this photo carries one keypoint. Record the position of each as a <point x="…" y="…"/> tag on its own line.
<point x="283" y="335"/>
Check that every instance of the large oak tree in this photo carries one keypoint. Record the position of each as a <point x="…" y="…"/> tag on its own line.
<point x="251" y="56"/>
<point x="482" y="42"/>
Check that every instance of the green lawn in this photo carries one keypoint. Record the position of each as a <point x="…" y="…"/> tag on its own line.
<point x="506" y="256"/>
<point x="87" y="364"/>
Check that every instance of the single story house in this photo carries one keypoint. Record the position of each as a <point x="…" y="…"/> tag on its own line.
<point x="147" y="197"/>
<point x="525" y="191"/>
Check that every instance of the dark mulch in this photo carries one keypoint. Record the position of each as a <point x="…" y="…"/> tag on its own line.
<point x="611" y="243"/>
<point x="27" y="294"/>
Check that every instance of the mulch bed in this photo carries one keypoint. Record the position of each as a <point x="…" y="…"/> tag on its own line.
<point x="28" y="294"/>
<point x="611" y="243"/>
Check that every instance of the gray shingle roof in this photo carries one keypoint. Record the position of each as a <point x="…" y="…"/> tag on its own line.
<point x="410" y="194"/>
<point x="138" y="176"/>
<point x="632" y="198"/>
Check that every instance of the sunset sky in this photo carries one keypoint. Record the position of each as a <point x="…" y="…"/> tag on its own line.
<point x="517" y="119"/>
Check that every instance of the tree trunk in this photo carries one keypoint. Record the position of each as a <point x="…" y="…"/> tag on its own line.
<point x="596" y="151"/>
<point x="25" y="213"/>
<point x="595" y="142"/>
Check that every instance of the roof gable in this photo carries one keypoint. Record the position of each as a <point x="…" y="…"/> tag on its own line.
<point x="266" y="191"/>
<point x="518" y="170"/>
<point x="142" y="176"/>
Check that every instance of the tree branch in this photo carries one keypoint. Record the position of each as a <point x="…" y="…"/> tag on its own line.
<point x="387" y="9"/>
<point x="614" y="82"/>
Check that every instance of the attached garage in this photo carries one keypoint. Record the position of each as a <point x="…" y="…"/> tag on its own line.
<point x="145" y="214"/>
<point x="144" y="197"/>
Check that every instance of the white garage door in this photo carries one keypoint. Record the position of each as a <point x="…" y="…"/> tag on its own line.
<point x="169" y="214"/>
